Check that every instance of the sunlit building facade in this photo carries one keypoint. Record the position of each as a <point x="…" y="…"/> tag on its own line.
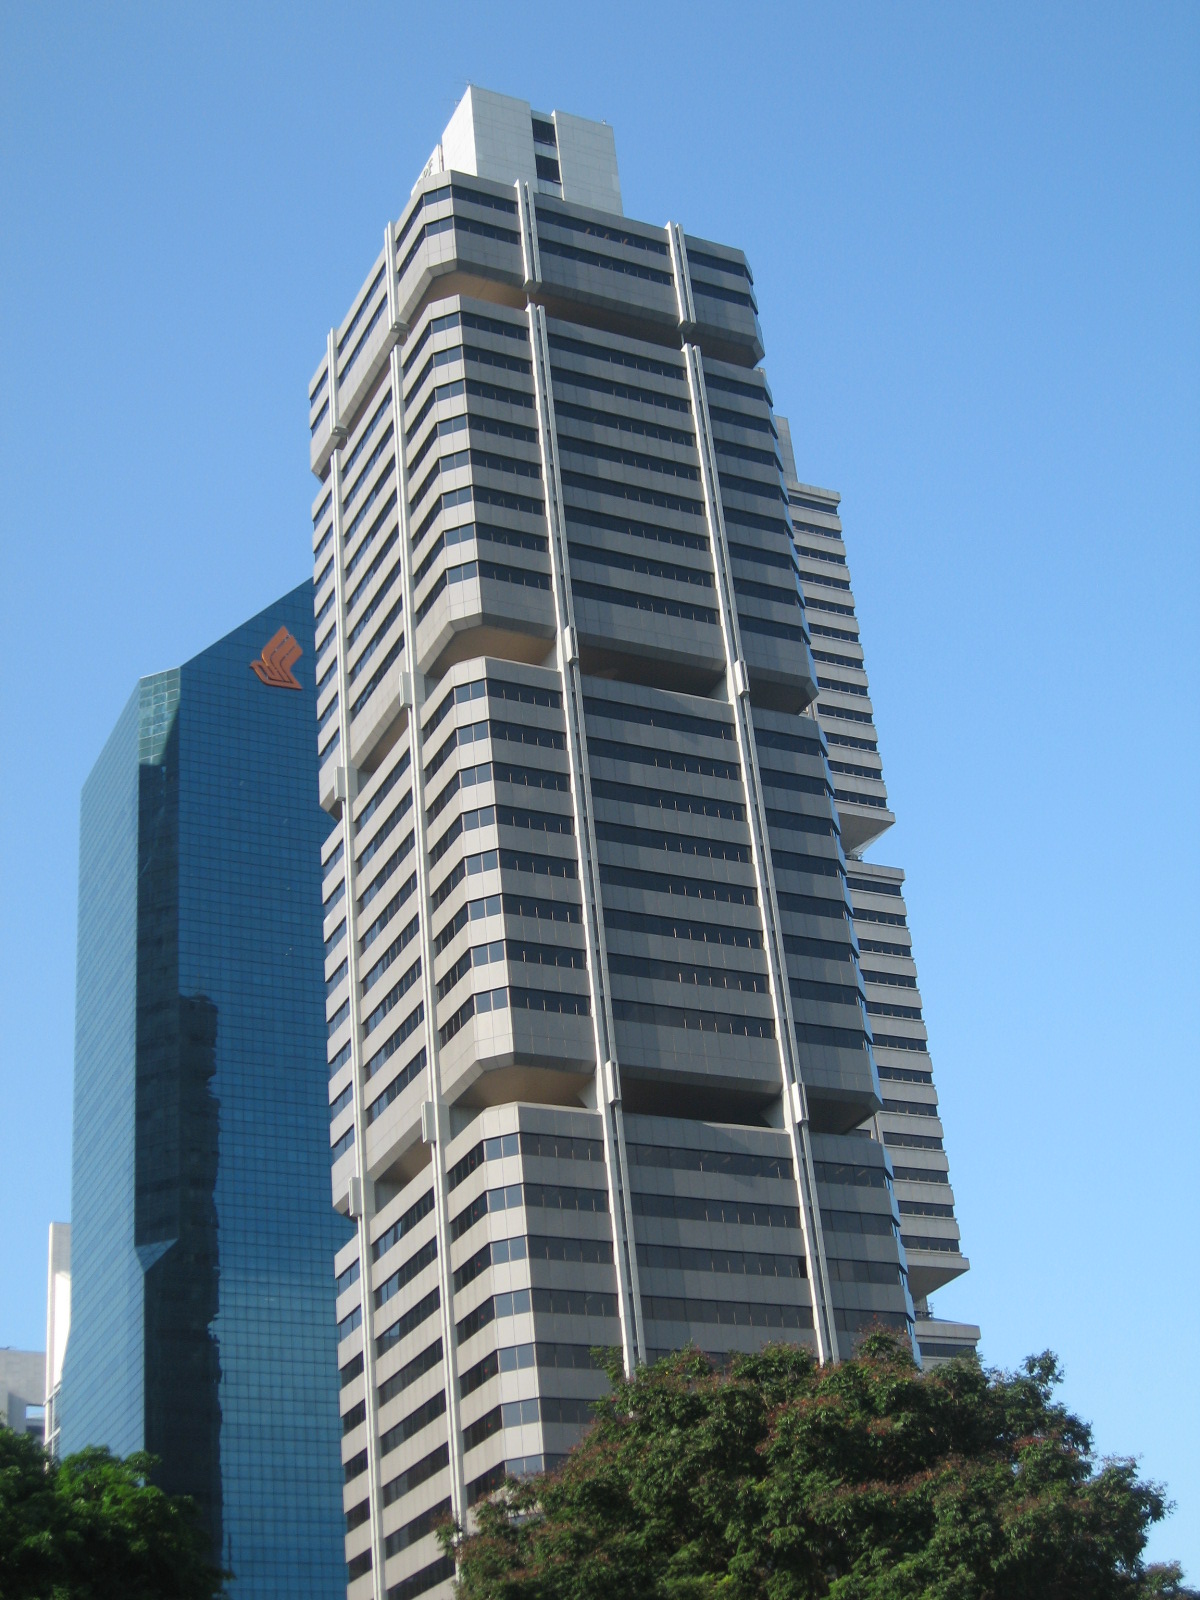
<point x="601" y="1069"/>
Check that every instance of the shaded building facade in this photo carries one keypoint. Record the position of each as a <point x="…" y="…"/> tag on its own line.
<point x="908" y="1123"/>
<point x="202" y="1317"/>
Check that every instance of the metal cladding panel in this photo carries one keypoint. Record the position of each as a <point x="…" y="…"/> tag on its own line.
<point x="463" y="230"/>
<point x="490" y="135"/>
<point x="641" y="568"/>
<point x="908" y="1123"/>
<point x="604" y="263"/>
<point x="844" y="708"/>
<point x="587" y="158"/>
<point x="769" y="599"/>
<point x="720" y="1243"/>
<point x="868" y="1269"/>
<point x="723" y="290"/>
<point x="479" y="543"/>
<point x="810" y="875"/>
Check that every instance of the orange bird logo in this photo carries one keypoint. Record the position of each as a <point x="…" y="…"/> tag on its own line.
<point x="274" y="666"/>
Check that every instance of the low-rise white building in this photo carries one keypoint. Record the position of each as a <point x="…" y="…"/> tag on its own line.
<point x="21" y="1376"/>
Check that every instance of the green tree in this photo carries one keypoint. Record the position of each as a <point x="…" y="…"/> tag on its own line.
<point x="93" y="1527"/>
<point x="781" y="1480"/>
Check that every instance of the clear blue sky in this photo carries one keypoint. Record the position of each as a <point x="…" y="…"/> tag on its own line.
<point x="975" y="239"/>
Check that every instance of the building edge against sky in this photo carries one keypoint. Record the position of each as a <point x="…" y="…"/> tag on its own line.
<point x="202" y="1237"/>
<point x="601" y="1065"/>
<point x="58" y="1326"/>
<point x="908" y="1123"/>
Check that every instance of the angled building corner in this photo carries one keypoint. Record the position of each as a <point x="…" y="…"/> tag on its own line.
<point x="908" y="1123"/>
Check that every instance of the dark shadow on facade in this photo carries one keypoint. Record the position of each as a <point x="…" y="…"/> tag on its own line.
<point x="176" y="1166"/>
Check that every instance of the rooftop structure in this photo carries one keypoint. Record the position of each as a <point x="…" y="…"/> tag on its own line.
<point x="494" y="136"/>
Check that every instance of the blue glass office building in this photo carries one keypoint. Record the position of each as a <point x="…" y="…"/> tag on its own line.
<point x="203" y="1298"/>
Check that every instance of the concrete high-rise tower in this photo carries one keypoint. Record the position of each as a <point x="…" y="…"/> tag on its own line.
<point x="601" y="1069"/>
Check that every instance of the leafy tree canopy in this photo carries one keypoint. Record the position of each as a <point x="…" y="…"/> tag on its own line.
<point x="94" y="1528"/>
<point x="780" y="1480"/>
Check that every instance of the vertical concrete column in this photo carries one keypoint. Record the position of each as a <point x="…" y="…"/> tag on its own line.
<point x="608" y="1079"/>
<point x="795" y="1101"/>
<point x="362" y="1190"/>
<point x="435" y="1119"/>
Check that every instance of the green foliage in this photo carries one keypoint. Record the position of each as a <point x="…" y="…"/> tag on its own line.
<point x="94" y="1528"/>
<point x="780" y="1480"/>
